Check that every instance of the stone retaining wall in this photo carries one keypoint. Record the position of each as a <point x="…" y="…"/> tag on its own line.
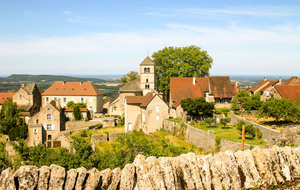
<point x="225" y="170"/>
<point x="78" y="125"/>
<point x="232" y="146"/>
<point x="199" y="138"/>
<point x="113" y="136"/>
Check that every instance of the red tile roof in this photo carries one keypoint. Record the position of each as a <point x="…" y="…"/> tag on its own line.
<point x="269" y="85"/>
<point x="234" y="88"/>
<point x="288" y="92"/>
<point x="259" y="85"/>
<point x="142" y="101"/>
<point x="290" y="80"/>
<point x="177" y="103"/>
<point x="72" y="89"/>
<point x="24" y="113"/>
<point x="297" y="83"/>
<point x="184" y="87"/>
<point x="6" y="95"/>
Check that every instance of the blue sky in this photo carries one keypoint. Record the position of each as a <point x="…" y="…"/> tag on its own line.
<point x="244" y="37"/>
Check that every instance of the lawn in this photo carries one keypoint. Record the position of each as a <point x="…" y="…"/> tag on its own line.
<point x="176" y="141"/>
<point x="230" y="133"/>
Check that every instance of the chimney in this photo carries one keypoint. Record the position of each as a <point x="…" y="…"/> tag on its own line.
<point x="265" y="78"/>
<point x="64" y="82"/>
<point x="280" y="81"/>
<point x="237" y="84"/>
<point x="194" y="80"/>
<point x="81" y="82"/>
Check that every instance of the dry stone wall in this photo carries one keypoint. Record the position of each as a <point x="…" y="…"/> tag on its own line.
<point x="258" y="168"/>
<point x="78" y="125"/>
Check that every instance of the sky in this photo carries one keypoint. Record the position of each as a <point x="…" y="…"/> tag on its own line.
<point x="244" y="37"/>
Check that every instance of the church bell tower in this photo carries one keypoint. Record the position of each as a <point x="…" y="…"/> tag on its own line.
<point x="147" y="75"/>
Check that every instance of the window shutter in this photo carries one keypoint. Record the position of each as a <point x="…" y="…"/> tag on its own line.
<point x="45" y="127"/>
<point x="53" y="127"/>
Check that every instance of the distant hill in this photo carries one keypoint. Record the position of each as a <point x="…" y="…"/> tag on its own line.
<point x="48" y="78"/>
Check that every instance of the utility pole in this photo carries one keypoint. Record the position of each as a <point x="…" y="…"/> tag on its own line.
<point x="243" y="138"/>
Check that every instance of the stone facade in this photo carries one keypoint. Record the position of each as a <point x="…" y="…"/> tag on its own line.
<point x="28" y="98"/>
<point x="147" y="76"/>
<point x="275" y="168"/>
<point x="46" y="125"/>
<point x="147" y="118"/>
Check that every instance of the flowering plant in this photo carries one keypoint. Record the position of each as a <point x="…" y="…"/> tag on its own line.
<point x="283" y="141"/>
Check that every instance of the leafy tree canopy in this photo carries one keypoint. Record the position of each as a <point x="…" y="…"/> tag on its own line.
<point x="71" y="104"/>
<point x="188" y="61"/>
<point x="245" y="101"/>
<point x="77" y="113"/>
<point x="132" y="75"/>
<point x="198" y="107"/>
<point x="285" y="109"/>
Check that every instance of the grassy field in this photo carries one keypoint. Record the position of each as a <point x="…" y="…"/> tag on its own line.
<point x="230" y="133"/>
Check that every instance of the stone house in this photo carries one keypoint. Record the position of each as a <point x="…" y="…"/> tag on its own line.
<point x="46" y="125"/>
<point x="5" y="96"/>
<point x="216" y="89"/>
<point x="28" y="97"/>
<point x="145" y="113"/>
<point x="84" y="92"/>
<point x="135" y="88"/>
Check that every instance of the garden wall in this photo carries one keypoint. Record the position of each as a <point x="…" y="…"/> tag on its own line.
<point x="195" y="136"/>
<point x="78" y="125"/>
<point x="268" y="134"/>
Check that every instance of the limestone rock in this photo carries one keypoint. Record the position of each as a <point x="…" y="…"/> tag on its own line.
<point x="27" y="177"/>
<point x="93" y="180"/>
<point x="105" y="178"/>
<point x="249" y="174"/>
<point x="7" y="180"/>
<point x="153" y="172"/>
<point x="143" y="179"/>
<point x="205" y="173"/>
<point x="166" y="170"/>
<point x="128" y="177"/>
<point x="292" y="161"/>
<point x="275" y="163"/>
<point x="71" y="179"/>
<point x="57" y="177"/>
<point x="179" y="182"/>
<point x="44" y="177"/>
<point x="116" y="177"/>
<point x="81" y="174"/>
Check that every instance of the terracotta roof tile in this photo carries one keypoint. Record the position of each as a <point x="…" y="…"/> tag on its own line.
<point x="269" y="85"/>
<point x="177" y="103"/>
<point x="290" y="80"/>
<point x="220" y="86"/>
<point x="234" y="88"/>
<point x="288" y="92"/>
<point x="72" y="89"/>
<point x="297" y="83"/>
<point x="259" y="85"/>
<point x="142" y="101"/>
<point x="5" y="96"/>
<point x="24" y="113"/>
<point x="183" y="87"/>
<point x="147" y="61"/>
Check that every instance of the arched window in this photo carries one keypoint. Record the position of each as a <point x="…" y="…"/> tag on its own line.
<point x="145" y="70"/>
<point x="148" y="70"/>
<point x="49" y="137"/>
<point x="146" y="80"/>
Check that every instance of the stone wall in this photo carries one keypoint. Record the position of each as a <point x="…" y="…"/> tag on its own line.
<point x="78" y="125"/>
<point x="271" y="135"/>
<point x="267" y="133"/>
<point x="113" y="136"/>
<point x="199" y="138"/>
<point x="225" y="170"/>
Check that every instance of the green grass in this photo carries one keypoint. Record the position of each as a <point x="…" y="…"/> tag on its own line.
<point x="176" y="141"/>
<point x="177" y="120"/>
<point x="230" y="133"/>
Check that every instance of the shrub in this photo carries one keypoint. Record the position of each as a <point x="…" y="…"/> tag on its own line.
<point x="210" y="120"/>
<point x="225" y="121"/>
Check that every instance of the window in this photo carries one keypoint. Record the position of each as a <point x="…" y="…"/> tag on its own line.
<point x="91" y="99"/>
<point x="146" y="80"/>
<point x="48" y="116"/>
<point x="65" y="99"/>
<point x="157" y="117"/>
<point x="157" y="109"/>
<point x="55" y="99"/>
<point x="148" y="70"/>
<point x="20" y="96"/>
<point x="129" y="127"/>
<point x="35" y="131"/>
<point x="47" y="99"/>
<point x="49" y="110"/>
<point x="145" y="70"/>
<point x="81" y="99"/>
<point x="49" y="127"/>
<point x="143" y="118"/>
<point x="49" y="137"/>
<point x="114" y="109"/>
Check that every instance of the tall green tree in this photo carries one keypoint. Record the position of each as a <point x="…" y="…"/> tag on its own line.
<point x="188" y="61"/>
<point x="8" y="116"/>
<point x="77" y="113"/>
<point x="132" y="75"/>
<point x="245" y="101"/>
